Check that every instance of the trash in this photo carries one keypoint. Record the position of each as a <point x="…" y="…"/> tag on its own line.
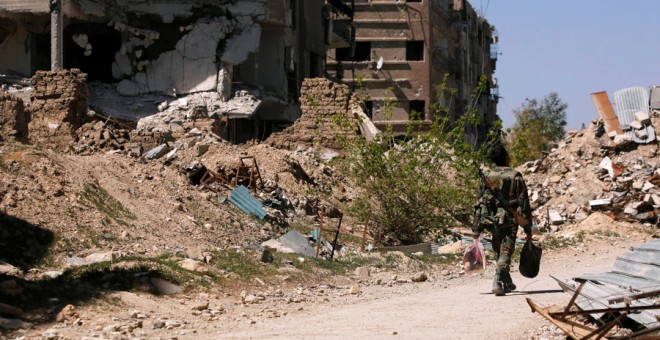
<point x="291" y="242"/>
<point x="600" y="203"/>
<point x="474" y="259"/>
<point x="530" y="260"/>
<point x="242" y="198"/>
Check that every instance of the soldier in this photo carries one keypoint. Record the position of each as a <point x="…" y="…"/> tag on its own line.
<point x="493" y="216"/>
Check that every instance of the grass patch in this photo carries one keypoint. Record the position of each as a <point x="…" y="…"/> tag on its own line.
<point x="93" y="196"/>
<point x="240" y="262"/>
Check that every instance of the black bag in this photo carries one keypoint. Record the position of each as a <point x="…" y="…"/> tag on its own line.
<point x="530" y="260"/>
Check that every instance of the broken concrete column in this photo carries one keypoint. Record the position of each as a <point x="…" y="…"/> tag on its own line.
<point x="56" y="33"/>
<point x="59" y="101"/>
<point x="224" y="81"/>
<point x="14" y="119"/>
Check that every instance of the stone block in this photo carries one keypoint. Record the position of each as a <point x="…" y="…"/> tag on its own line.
<point x="642" y="117"/>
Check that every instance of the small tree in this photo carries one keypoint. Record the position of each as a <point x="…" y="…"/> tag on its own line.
<point x="418" y="188"/>
<point x="537" y="126"/>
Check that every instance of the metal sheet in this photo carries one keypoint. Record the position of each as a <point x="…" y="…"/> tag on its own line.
<point x="606" y="112"/>
<point x="636" y="271"/>
<point x="596" y="296"/>
<point x="655" y="98"/>
<point x="242" y="198"/>
<point x="633" y="283"/>
<point x="626" y="103"/>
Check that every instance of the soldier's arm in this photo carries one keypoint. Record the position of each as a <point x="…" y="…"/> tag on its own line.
<point x="523" y="204"/>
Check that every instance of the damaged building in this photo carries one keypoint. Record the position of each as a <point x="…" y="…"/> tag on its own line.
<point x="247" y="57"/>
<point x="403" y="50"/>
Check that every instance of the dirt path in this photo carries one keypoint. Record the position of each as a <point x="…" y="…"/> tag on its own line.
<point x="425" y="311"/>
<point x="447" y="306"/>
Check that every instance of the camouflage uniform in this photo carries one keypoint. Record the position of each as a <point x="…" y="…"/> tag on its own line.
<point x="500" y="223"/>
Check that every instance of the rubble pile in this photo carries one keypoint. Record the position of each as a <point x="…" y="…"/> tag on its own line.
<point x="59" y="103"/>
<point x="14" y="118"/>
<point x="101" y="135"/>
<point x="320" y="100"/>
<point x="586" y="173"/>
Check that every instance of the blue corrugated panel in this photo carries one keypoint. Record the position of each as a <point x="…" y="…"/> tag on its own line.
<point x="626" y="103"/>
<point x="242" y="198"/>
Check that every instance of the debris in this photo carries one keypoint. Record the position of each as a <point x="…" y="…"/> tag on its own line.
<point x="291" y="242"/>
<point x="555" y="217"/>
<point x="242" y="198"/>
<point x="628" y="291"/>
<point x="157" y="152"/>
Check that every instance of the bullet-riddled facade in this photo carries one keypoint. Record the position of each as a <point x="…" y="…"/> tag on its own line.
<point x="402" y="51"/>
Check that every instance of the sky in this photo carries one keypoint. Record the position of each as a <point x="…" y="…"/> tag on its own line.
<point x="574" y="48"/>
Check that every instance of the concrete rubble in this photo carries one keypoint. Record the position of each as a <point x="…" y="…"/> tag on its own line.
<point x="588" y="172"/>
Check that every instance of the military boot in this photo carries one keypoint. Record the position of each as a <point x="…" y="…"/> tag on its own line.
<point x="509" y="286"/>
<point x="498" y="285"/>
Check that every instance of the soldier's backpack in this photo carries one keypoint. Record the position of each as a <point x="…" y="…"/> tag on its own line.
<point x="489" y="211"/>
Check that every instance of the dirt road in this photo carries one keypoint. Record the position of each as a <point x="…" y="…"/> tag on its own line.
<point x="431" y="311"/>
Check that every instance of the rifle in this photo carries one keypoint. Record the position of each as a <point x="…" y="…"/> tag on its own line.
<point x="520" y="220"/>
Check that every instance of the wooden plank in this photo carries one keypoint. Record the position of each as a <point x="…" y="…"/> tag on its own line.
<point x="606" y="112"/>
<point x="569" y="326"/>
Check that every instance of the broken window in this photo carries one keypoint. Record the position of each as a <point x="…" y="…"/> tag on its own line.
<point x="416" y="109"/>
<point x="362" y="52"/>
<point x="415" y="50"/>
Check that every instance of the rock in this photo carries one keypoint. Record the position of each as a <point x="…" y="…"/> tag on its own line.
<point x="647" y="186"/>
<point x="157" y="152"/>
<point x="67" y="313"/>
<point x="101" y="257"/>
<point x="362" y="272"/>
<point x="193" y="265"/>
<point x="420" y="277"/>
<point x="201" y="149"/>
<point x="355" y="289"/>
<point x="555" y="217"/>
<point x="164" y="287"/>
<point x="555" y="179"/>
<point x="158" y="324"/>
<point x="74" y="261"/>
<point x="250" y="299"/>
<point x="452" y="248"/>
<point x="201" y="305"/>
<point x="642" y="117"/>
<point x="8" y="269"/>
<point x="14" y="324"/>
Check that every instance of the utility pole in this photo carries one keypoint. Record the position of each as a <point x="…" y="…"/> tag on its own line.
<point x="56" y="41"/>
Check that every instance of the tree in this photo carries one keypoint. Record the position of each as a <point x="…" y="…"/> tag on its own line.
<point x="415" y="189"/>
<point x="537" y="126"/>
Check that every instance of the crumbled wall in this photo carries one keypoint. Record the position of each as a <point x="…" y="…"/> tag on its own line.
<point x="320" y="100"/>
<point x="59" y="102"/>
<point x="14" y="118"/>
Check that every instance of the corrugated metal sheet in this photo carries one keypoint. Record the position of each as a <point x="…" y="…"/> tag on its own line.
<point x="34" y="6"/>
<point x="627" y="102"/>
<point x="636" y="271"/>
<point x="242" y="198"/>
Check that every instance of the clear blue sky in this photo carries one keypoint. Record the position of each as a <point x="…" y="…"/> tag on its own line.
<point x="574" y="48"/>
